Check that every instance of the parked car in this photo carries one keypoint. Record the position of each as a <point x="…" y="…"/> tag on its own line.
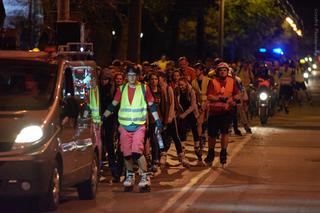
<point x="46" y="140"/>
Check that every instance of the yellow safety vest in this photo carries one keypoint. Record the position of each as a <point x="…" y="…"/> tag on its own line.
<point x="94" y="104"/>
<point x="201" y="92"/>
<point x="136" y="112"/>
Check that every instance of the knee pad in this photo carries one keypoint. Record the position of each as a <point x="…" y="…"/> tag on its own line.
<point x="127" y="157"/>
<point x="136" y="156"/>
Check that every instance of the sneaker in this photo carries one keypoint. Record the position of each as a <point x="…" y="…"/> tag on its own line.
<point x="286" y="110"/>
<point x="144" y="180"/>
<point x="198" y="152"/>
<point x="210" y="157"/>
<point x="163" y="159"/>
<point x="129" y="181"/>
<point x="248" y="129"/>
<point x="183" y="160"/>
<point x="237" y="132"/>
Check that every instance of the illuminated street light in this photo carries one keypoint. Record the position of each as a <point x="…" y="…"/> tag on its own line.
<point x="294" y="26"/>
<point x="310" y="59"/>
<point x="113" y="32"/>
<point x="289" y="20"/>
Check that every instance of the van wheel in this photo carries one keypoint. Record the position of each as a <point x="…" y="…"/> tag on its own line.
<point x="88" y="189"/>
<point x="51" y="200"/>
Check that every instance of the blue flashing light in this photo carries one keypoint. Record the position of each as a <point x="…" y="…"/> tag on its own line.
<point x="262" y="50"/>
<point x="278" y="51"/>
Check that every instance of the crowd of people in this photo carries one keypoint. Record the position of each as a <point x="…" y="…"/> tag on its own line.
<point x="146" y="107"/>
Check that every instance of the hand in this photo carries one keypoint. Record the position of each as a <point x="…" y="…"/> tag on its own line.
<point x="204" y="106"/>
<point x="106" y="113"/>
<point x="223" y="99"/>
<point x="159" y="125"/>
<point x="182" y="116"/>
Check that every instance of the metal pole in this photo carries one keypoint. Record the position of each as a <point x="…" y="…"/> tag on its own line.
<point x="30" y="30"/>
<point x="221" y="27"/>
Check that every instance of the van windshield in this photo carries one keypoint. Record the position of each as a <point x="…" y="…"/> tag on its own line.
<point x="26" y="84"/>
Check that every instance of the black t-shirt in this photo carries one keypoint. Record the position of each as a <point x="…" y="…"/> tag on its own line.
<point x="184" y="101"/>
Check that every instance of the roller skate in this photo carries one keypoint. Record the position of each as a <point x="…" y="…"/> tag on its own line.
<point x="223" y="157"/>
<point x="154" y="167"/>
<point x="183" y="160"/>
<point x="163" y="160"/>
<point x="198" y="152"/>
<point x="203" y="141"/>
<point x="144" y="184"/>
<point x="210" y="157"/>
<point x="129" y="181"/>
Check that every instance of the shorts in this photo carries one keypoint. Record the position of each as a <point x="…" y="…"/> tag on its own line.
<point x="219" y="124"/>
<point x="285" y="91"/>
<point x="132" y="141"/>
<point x="300" y="86"/>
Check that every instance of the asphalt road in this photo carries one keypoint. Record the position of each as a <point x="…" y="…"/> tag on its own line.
<point x="277" y="169"/>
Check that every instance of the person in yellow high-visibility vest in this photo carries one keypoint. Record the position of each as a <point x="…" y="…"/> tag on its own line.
<point x="134" y="97"/>
<point x="94" y="105"/>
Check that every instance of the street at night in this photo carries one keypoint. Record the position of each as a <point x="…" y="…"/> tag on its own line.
<point x="159" y="106"/>
<point x="277" y="169"/>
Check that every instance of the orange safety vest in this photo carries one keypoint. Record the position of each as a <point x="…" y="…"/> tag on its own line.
<point x="286" y="78"/>
<point x="226" y="91"/>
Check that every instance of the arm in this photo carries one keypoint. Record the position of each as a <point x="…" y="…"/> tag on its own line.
<point x="171" y="109"/>
<point x="153" y="107"/>
<point x="110" y="109"/>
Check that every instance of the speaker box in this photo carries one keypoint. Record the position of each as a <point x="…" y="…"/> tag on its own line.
<point x="69" y="31"/>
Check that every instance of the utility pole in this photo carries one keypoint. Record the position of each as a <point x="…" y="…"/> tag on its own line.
<point x="134" y="41"/>
<point x="221" y="27"/>
<point x="316" y="32"/>
<point x="63" y="10"/>
<point x="30" y="23"/>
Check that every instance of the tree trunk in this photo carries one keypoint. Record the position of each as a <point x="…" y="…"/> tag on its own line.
<point x="134" y="49"/>
<point x="200" y="31"/>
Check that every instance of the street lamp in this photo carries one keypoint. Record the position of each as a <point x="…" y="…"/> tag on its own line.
<point x="293" y="26"/>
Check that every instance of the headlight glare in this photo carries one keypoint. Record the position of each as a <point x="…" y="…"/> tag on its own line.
<point x="306" y="75"/>
<point x="263" y="96"/>
<point x="29" y="134"/>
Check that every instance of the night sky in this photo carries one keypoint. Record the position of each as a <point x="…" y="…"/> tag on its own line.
<point x="305" y="10"/>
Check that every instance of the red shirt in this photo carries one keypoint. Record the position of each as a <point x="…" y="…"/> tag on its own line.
<point x="131" y="91"/>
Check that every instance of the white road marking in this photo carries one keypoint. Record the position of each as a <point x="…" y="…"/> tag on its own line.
<point x="193" y="196"/>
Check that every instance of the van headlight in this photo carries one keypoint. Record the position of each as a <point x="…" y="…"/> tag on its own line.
<point x="263" y="96"/>
<point x="29" y="134"/>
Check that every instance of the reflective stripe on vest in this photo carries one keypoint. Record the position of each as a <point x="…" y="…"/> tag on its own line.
<point x="286" y="77"/>
<point x="94" y="105"/>
<point x="224" y="91"/>
<point x="136" y="112"/>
